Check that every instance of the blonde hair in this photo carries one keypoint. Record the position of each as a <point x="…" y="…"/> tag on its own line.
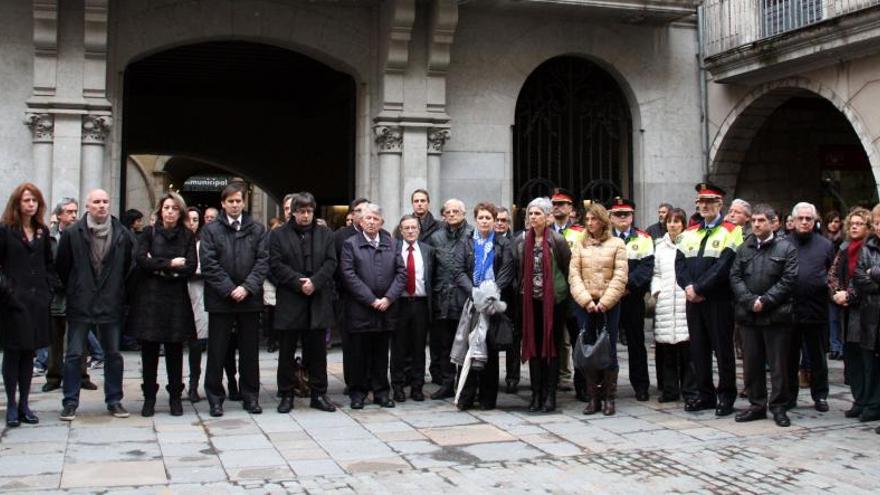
<point x="862" y="213"/>
<point x="601" y="214"/>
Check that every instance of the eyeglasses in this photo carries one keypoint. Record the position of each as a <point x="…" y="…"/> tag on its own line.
<point x="502" y="220"/>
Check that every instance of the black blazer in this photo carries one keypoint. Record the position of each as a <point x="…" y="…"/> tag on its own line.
<point x="428" y="263"/>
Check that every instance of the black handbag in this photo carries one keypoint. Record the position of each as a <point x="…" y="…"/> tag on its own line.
<point x="593" y="356"/>
<point x="500" y="333"/>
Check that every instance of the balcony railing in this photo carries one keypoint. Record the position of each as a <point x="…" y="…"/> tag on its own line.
<point x="733" y="23"/>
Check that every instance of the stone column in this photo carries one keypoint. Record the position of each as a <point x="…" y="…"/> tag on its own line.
<point x="437" y="137"/>
<point x="94" y="131"/>
<point x="389" y="144"/>
<point x="42" y="126"/>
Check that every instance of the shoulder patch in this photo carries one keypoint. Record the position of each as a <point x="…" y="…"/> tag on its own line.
<point x="729" y="226"/>
<point x="576" y="227"/>
<point x="693" y="227"/>
<point x="642" y="233"/>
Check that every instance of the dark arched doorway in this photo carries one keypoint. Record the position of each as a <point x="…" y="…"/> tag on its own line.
<point x="274" y="117"/>
<point x="806" y="150"/>
<point x="572" y="130"/>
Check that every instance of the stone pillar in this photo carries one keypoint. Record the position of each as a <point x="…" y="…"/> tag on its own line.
<point x="437" y="137"/>
<point x="94" y="131"/>
<point x="389" y="143"/>
<point x="42" y="126"/>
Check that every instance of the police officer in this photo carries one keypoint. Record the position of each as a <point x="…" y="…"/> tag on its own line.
<point x="702" y="268"/>
<point x="563" y="206"/>
<point x="640" y="258"/>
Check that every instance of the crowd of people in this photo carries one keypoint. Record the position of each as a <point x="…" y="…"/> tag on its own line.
<point x="786" y="296"/>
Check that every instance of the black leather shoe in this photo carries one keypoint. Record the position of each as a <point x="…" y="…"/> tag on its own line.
<point x="399" y="394"/>
<point x="285" y="405"/>
<point x="511" y="387"/>
<point x="535" y="404"/>
<point x="416" y="394"/>
<point x="667" y="398"/>
<point x="117" y="411"/>
<point x="781" y="418"/>
<point x="821" y="405"/>
<point x="193" y="395"/>
<point x="216" y="410"/>
<point x="253" y="407"/>
<point x="750" y="415"/>
<point x="384" y="401"/>
<point x="12" y="420"/>
<point x="853" y="412"/>
<point x="357" y="402"/>
<point x="444" y="392"/>
<point x="642" y="395"/>
<point x="698" y="405"/>
<point x="48" y="387"/>
<point x="724" y="409"/>
<point x="25" y="415"/>
<point x="88" y="385"/>
<point x="863" y="418"/>
<point x="68" y="413"/>
<point x="322" y="403"/>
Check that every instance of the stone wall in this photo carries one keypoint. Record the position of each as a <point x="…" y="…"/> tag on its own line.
<point x="16" y="79"/>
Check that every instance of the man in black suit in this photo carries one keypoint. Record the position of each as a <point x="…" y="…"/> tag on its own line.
<point x="408" y="346"/>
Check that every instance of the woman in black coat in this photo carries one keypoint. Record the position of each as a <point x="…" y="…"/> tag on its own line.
<point x="27" y="275"/>
<point x="496" y="263"/>
<point x="162" y="311"/>
<point x="374" y="276"/>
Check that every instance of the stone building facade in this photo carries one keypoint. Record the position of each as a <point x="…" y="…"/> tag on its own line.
<point x="436" y="86"/>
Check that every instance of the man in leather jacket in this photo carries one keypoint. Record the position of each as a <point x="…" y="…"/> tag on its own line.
<point x="762" y="278"/>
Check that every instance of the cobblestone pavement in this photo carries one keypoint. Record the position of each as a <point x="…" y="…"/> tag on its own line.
<point x="430" y="447"/>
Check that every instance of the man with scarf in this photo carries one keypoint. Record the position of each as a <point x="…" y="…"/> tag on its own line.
<point x="448" y="301"/>
<point x="302" y="263"/>
<point x="815" y="255"/>
<point x="94" y="260"/>
<point x="544" y="258"/>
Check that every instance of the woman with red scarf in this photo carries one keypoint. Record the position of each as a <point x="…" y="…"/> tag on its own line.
<point x="859" y="363"/>
<point x="543" y="257"/>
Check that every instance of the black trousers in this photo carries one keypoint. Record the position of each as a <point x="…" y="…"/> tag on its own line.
<point x="195" y="348"/>
<point x="314" y="357"/>
<point x="408" y="343"/>
<point x="513" y="356"/>
<point x="18" y="372"/>
<point x="220" y="332"/>
<point x="55" y="365"/>
<point x="766" y="346"/>
<point x="813" y="336"/>
<point x="482" y="385"/>
<point x="675" y="373"/>
<point x="863" y="372"/>
<point x="229" y="363"/>
<point x="632" y="324"/>
<point x="446" y="332"/>
<point x="544" y="373"/>
<point x="173" y="364"/>
<point x="345" y="341"/>
<point x="710" y="327"/>
<point x="369" y="364"/>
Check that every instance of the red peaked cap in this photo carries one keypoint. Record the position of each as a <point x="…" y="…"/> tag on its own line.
<point x="561" y="194"/>
<point x="708" y="190"/>
<point x="620" y="204"/>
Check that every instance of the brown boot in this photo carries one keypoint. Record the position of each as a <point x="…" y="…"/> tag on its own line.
<point x="593" y="405"/>
<point x="610" y="383"/>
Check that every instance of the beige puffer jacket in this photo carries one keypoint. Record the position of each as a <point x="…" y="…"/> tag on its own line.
<point x="598" y="272"/>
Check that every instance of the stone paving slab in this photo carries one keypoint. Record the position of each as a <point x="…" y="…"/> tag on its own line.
<point x="431" y="447"/>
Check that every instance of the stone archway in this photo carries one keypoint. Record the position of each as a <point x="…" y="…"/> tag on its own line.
<point x="737" y="132"/>
<point x="277" y="117"/>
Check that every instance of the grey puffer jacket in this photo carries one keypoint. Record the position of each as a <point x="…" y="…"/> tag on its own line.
<point x="447" y="304"/>
<point x="768" y="273"/>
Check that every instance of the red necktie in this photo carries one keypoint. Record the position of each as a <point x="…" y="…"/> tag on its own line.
<point x="411" y="272"/>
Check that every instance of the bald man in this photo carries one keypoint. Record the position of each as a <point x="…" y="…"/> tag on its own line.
<point x="94" y="257"/>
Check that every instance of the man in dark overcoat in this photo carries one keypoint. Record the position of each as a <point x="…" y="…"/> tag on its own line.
<point x="302" y="262"/>
<point x="374" y="276"/>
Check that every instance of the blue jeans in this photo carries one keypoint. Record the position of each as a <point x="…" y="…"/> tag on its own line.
<point x="42" y="358"/>
<point x="77" y="336"/>
<point x="95" y="349"/>
<point x="593" y="323"/>
<point x="834" y="328"/>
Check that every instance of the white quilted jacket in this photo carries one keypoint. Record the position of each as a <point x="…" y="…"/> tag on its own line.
<point x="670" y="321"/>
